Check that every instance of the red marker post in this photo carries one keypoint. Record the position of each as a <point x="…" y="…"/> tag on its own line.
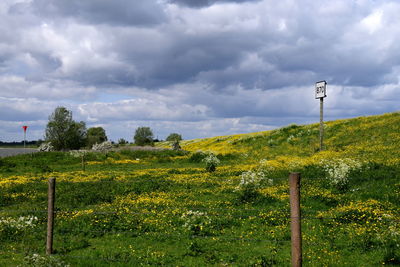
<point x="24" y="127"/>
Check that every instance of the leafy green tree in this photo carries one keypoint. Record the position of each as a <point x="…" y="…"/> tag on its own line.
<point x="63" y="132"/>
<point x="143" y="136"/>
<point x="96" y="135"/>
<point x="122" y="141"/>
<point x="77" y="135"/>
<point x="174" y="137"/>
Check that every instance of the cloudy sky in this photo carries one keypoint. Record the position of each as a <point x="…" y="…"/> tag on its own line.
<point x="197" y="67"/>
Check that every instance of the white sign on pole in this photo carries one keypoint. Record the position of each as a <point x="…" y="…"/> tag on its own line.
<point x="320" y="89"/>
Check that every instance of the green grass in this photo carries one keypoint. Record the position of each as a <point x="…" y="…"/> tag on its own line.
<point x="123" y="212"/>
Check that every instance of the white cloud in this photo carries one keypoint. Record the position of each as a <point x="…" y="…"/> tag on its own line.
<point x="142" y="109"/>
<point x="200" y="67"/>
<point x="373" y="22"/>
<point x="12" y="86"/>
<point x="24" y="109"/>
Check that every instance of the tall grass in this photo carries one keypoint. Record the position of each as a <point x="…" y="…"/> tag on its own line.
<point x="156" y="208"/>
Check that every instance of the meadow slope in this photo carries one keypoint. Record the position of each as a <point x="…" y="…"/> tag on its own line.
<point x="162" y="208"/>
<point x="373" y="137"/>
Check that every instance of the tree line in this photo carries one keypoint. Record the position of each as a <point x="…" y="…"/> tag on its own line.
<point x="64" y="133"/>
<point x="21" y="143"/>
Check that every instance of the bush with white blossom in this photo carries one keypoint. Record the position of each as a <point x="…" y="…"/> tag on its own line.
<point x="107" y="145"/>
<point x="249" y="184"/>
<point x="19" y="223"/>
<point x="12" y="226"/>
<point x="338" y="171"/>
<point x="37" y="260"/>
<point x="211" y="162"/>
<point x="196" y="222"/>
<point x="46" y="147"/>
<point x="77" y="153"/>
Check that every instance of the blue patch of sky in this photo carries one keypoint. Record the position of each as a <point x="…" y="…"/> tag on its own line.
<point x="110" y="98"/>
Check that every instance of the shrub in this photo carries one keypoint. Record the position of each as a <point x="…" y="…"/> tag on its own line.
<point x="38" y="260"/>
<point x="174" y="137"/>
<point x="176" y="145"/>
<point x="122" y="141"/>
<point x="143" y="136"/>
<point x="197" y="157"/>
<point x="46" y="147"/>
<point x="19" y="223"/>
<point x="77" y="153"/>
<point x="96" y="135"/>
<point x="14" y="228"/>
<point x="211" y="162"/>
<point x="107" y="145"/>
<point x="196" y="222"/>
<point x="249" y="184"/>
<point x="337" y="171"/>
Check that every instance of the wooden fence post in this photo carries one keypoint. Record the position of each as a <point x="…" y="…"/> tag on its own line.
<point x="50" y="215"/>
<point x="295" y="219"/>
<point x="83" y="161"/>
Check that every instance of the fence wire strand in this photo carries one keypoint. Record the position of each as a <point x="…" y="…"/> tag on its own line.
<point x="242" y="215"/>
<point x="213" y="212"/>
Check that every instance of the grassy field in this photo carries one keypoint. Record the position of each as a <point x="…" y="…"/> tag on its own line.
<point x="162" y="208"/>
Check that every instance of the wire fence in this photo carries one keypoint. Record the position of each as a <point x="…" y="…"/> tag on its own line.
<point x="175" y="212"/>
<point x="243" y="216"/>
<point x="154" y="235"/>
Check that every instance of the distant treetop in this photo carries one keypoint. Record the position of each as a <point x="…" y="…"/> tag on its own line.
<point x="143" y="136"/>
<point x="174" y="137"/>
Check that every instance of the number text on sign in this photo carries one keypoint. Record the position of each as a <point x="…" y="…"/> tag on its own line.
<point x="320" y="89"/>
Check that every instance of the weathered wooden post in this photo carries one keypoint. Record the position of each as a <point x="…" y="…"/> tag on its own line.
<point x="320" y="92"/>
<point x="50" y="215"/>
<point x="295" y="219"/>
<point x="83" y="161"/>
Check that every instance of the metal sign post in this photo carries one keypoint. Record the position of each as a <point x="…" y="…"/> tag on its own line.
<point x="320" y="92"/>
<point x="25" y="127"/>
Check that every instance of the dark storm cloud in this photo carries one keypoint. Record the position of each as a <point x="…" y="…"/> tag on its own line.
<point x="292" y="48"/>
<point x="112" y="76"/>
<point x="207" y="64"/>
<point x="115" y="12"/>
<point x="204" y="3"/>
<point x="159" y="59"/>
<point x="186" y="60"/>
<point x="256" y="46"/>
<point x="363" y="66"/>
<point x="44" y="63"/>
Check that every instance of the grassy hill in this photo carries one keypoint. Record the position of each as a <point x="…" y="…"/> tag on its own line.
<point x="152" y="208"/>
<point x="373" y="136"/>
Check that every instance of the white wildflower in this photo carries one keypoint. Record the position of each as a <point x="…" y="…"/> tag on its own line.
<point x="252" y="179"/>
<point x="211" y="162"/>
<point x="195" y="221"/>
<point x="77" y="153"/>
<point x="38" y="260"/>
<point x="19" y="223"/>
<point x="339" y="169"/>
<point x="46" y="147"/>
<point x="107" y="145"/>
